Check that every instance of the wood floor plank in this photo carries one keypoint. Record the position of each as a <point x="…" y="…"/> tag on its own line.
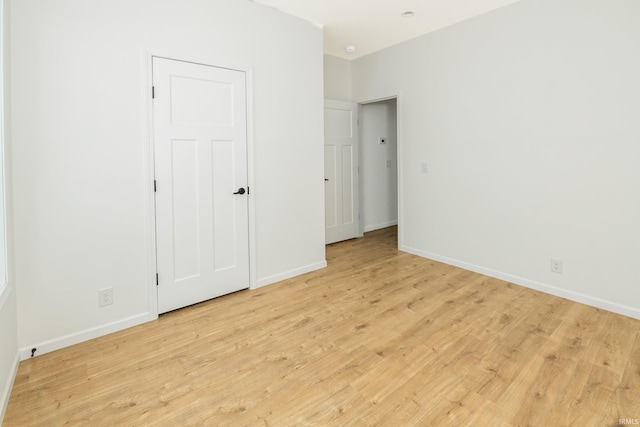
<point x="379" y="337"/>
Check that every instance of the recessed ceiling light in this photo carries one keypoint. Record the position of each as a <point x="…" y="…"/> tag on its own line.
<point x="407" y="14"/>
<point x="350" y="49"/>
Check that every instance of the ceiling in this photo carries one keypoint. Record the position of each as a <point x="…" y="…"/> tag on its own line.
<point x="371" y="25"/>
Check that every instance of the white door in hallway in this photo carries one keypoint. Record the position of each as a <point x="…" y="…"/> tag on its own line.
<point x="200" y="149"/>
<point x="342" y="218"/>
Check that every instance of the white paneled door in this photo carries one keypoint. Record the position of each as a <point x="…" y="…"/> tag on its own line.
<point x="342" y="219"/>
<point x="200" y="148"/>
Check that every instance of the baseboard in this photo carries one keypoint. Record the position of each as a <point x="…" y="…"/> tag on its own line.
<point x="368" y="228"/>
<point x="87" y="334"/>
<point x="532" y="284"/>
<point x="289" y="274"/>
<point x="6" y="392"/>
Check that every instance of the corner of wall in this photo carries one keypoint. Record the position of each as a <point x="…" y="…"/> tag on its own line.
<point x="337" y="78"/>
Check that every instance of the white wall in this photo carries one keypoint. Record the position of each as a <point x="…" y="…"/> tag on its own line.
<point x="527" y="117"/>
<point x="337" y="78"/>
<point x="379" y="189"/>
<point x="8" y="315"/>
<point x="80" y="130"/>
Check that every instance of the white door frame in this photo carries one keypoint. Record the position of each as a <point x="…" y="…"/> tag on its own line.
<point x="384" y="97"/>
<point x="147" y="78"/>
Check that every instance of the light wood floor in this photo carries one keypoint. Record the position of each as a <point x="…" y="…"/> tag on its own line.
<point x="379" y="337"/>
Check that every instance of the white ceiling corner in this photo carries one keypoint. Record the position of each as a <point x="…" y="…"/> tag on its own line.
<point x="372" y="25"/>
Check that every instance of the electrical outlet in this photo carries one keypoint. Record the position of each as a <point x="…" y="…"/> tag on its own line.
<point x="105" y="297"/>
<point x="556" y="265"/>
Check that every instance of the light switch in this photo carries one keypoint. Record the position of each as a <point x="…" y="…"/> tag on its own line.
<point x="424" y="168"/>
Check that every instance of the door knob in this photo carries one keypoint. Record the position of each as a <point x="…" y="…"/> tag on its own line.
<point x="240" y="191"/>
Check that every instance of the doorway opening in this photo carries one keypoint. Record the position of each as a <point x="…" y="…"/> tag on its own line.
<point x="380" y="169"/>
<point x="379" y="164"/>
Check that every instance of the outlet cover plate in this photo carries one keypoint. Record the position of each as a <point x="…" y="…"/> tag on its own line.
<point x="105" y="297"/>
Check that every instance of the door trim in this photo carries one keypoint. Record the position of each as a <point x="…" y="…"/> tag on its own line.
<point x="150" y="214"/>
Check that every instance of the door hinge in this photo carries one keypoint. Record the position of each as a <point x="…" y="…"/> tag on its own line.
<point x="153" y="92"/>
<point x="247" y="189"/>
<point x="155" y="186"/>
<point x="157" y="280"/>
